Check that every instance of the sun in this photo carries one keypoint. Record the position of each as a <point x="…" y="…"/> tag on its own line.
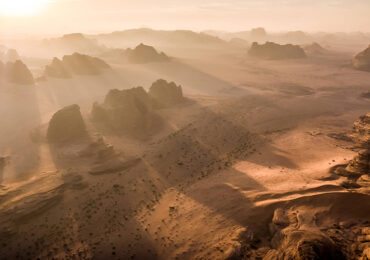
<point x="21" y="7"/>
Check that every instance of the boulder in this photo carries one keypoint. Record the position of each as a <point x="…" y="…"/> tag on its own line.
<point x="165" y="93"/>
<point x="66" y="125"/>
<point x="145" y="54"/>
<point x="362" y="60"/>
<point x="76" y="63"/>
<point x="274" y="51"/>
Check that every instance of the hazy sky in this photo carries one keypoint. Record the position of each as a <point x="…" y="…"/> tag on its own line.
<point x="62" y="16"/>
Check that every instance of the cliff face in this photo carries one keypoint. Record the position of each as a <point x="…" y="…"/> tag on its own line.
<point x="165" y="93"/>
<point x="145" y="54"/>
<point x="274" y="51"/>
<point x="16" y="72"/>
<point x="66" y="125"/>
<point x="76" y="63"/>
<point x="362" y="60"/>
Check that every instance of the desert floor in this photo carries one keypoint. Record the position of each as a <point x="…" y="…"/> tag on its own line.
<point x="252" y="137"/>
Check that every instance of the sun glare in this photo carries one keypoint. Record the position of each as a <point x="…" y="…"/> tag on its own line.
<point x="21" y="7"/>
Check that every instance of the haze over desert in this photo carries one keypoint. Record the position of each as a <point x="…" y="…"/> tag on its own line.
<point x="185" y="130"/>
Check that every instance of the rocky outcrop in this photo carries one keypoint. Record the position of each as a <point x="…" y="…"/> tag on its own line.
<point x="57" y="69"/>
<point x="165" y="93"/>
<point x="258" y="33"/>
<point x="126" y="111"/>
<point x="274" y="51"/>
<point x="9" y="55"/>
<point x="362" y="60"/>
<point x="366" y="95"/>
<point x="145" y="54"/>
<point x="315" y="49"/>
<point x="361" y="131"/>
<point x="3" y="163"/>
<point x="76" y="63"/>
<point x="358" y="169"/>
<point x="16" y="72"/>
<point x="66" y="125"/>
<point x="360" y="165"/>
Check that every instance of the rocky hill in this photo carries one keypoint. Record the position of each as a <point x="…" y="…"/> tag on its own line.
<point x="362" y="60"/>
<point x="315" y="49"/>
<point x="16" y="72"/>
<point x="7" y="55"/>
<point x="145" y="54"/>
<point x="66" y="125"/>
<point x="274" y="51"/>
<point x="75" y="64"/>
<point x="165" y="93"/>
<point x="126" y="111"/>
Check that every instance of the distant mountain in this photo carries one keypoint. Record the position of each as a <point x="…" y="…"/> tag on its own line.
<point x="74" y="42"/>
<point x="275" y="51"/>
<point x="141" y="54"/>
<point x="181" y="38"/>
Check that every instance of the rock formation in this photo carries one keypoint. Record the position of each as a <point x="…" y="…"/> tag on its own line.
<point x="274" y="51"/>
<point x="9" y="55"/>
<point x="126" y="111"/>
<point x="76" y="63"/>
<point x="165" y="93"/>
<point x="358" y="169"/>
<point x="16" y="72"/>
<point x="360" y="165"/>
<point x="366" y="95"/>
<point x="3" y="163"/>
<point x="362" y="60"/>
<point x="66" y="125"/>
<point x="57" y="69"/>
<point x="361" y="131"/>
<point x="145" y="54"/>
<point x="315" y="49"/>
<point x="258" y="33"/>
